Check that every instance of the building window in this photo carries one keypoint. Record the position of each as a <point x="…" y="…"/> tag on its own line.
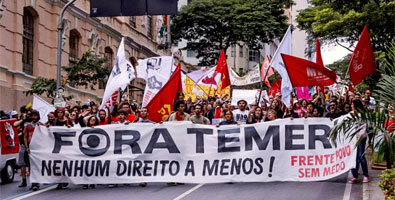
<point x="191" y="54"/>
<point x="149" y="27"/>
<point x="241" y="51"/>
<point x="132" y="21"/>
<point x="233" y="51"/>
<point x="253" y="55"/>
<point x="108" y="55"/>
<point x="28" y="40"/>
<point x="74" y="45"/>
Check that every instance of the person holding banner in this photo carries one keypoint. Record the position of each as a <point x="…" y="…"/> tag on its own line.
<point x="144" y="116"/>
<point x="271" y="115"/>
<point x="357" y="106"/>
<point x="179" y="115"/>
<point x="51" y="118"/>
<point x="256" y="116"/>
<point x="241" y="114"/>
<point x="129" y="112"/>
<point x="28" y="133"/>
<point x="198" y="118"/>
<point x="103" y="119"/>
<point x="229" y="119"/>
<point x="122" y="118"/>
<point x="61" y="119"/>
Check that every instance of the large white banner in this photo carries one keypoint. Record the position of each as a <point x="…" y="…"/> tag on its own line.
<point x="281" y="150"/>
<point x="253" y="76"/>
<point x="156" y="71"/>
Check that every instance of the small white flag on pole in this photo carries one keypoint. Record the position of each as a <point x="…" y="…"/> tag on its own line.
<point x="278" y="64"/>
<point x="121" y="75"/>
<point x="42" y="107"/>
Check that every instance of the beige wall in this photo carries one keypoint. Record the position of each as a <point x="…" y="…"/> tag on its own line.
<point x="96" y="34"/>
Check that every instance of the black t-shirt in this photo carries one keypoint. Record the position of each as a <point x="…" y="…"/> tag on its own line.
<point x="333" y="115"/>
<point x="61" y="123"/>
<point x="227" y="123"/>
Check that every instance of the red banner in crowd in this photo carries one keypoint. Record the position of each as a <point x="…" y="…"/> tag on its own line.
<point x="9" y="137"/>
<point x="362" y="62"/>
<point x="265" y="66"/>
<point x="275" y="88"/>
<point x="161" y="106"/>
<point x="222" y="67"/>
<point x="306" y="73"/>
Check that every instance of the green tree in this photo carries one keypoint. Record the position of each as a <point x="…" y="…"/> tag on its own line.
<point x="87" y="71"/>
<point x="377" y="120"/>
<point x="212" y="25"/>
<point x="343" y="20"/>
<point x="44" y="86"/>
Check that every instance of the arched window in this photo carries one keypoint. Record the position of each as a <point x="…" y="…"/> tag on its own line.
<point x="28" y="41"/>
<point x="74" y="45"/>
<point x="108" y="55"/>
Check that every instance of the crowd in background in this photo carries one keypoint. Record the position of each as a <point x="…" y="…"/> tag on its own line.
<point x="213" y="110"/>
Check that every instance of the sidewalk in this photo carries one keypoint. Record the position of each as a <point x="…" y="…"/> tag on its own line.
<point x="372" y="191"/>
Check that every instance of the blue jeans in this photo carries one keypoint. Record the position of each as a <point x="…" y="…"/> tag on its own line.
<point x="361" y="160"/>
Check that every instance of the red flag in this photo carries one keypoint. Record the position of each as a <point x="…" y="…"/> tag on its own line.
<point x="222" y="67"/>
<point x="265" y="65"/>
<point x="318" y="58"/>
<point x="275" y="88"/>
<point x="161" y="106"/>
<point x="362" y="62"/>
<point x="306" y="73"/>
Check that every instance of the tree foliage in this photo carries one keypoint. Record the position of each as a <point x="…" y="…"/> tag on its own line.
<point x="44" y="86"/>
<point x="212" y="25"/>
<point x="376" y="120"/>
<point x="87" y="71"/>
<point x="343" y="20"/>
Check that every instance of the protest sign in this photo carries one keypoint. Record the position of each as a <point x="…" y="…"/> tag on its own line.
<point x="247" y="95"/>
<point x="280" y="150"/>
<point x="253" y="76"/>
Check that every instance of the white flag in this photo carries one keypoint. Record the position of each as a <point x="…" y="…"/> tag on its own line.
<point x="278" y="65"/>
<point x="210" y="78"/>
<point x="42" y="107"/>
<point x="156" y="72"/>
<point x="121" y="75"/>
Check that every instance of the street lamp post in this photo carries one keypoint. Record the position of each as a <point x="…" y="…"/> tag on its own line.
<point x="60" y="29"/>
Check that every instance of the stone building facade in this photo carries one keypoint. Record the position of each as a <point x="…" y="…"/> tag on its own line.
<point x="28" y="45"/>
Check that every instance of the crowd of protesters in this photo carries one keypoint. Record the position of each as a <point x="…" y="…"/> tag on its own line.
<point x="213" y="110"/>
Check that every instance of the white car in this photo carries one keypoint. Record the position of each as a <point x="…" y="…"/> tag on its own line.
<point x="7" y="161"/>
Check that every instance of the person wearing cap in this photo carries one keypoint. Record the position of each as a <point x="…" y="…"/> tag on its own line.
<point x="28" y="133"/>
<point x="370" y="101"/>
<point x="241" y="114"/>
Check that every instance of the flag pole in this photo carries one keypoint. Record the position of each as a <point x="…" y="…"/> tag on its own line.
<point x="260" y="92"/>
<point x="196" y="84"/>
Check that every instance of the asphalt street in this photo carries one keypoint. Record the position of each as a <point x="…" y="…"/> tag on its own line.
<point x="332" y="189"/>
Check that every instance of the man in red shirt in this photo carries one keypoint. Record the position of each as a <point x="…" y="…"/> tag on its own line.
<point x="103" y="119"/>
<point x="28" y="134"/>
<point x="130" y="116"/>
